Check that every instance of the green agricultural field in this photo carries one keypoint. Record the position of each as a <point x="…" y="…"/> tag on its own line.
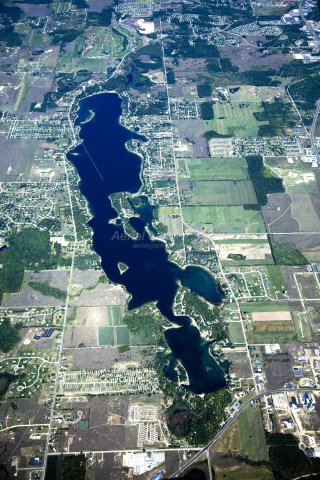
<point x="235" y="118"/>
<point x="123" y="337"/>
<point x="214" y="169"/>
<point x="235" y="332"/>
<point x="174" y="224"/>
<point x="247" y="262"/>
<point x="243" y="472"/>
<point x="276" y="278"/>
<point x="220" y="193"/>
<point x="114" y="314"/>
<point x="224" y="219"/>
<point x="270" y="337"/>
<point x="106" y="336"/>
<point x="303" y="211"/>
<point x="234" y="241"/>
<point x="252" y="435"/>
<point x="264" y="307"/>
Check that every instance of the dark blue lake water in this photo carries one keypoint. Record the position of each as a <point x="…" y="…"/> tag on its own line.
<point x="105" y="166"/>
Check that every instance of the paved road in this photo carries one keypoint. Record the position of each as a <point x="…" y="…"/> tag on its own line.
<point x="312" y="131"/>
<point x="227" y="425"/>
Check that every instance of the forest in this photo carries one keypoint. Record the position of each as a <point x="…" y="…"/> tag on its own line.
<point x="287" y="254"/>
<point x="48" y="291"/>
<point x="263" y="183"/>
<point x="204" y="90"/>
<point x="29" y="249"/>
<point x="9" y="335"/>
<point x="73" y="467"/>
<point x="207" y="112"/>
<point x="212" y="317"/>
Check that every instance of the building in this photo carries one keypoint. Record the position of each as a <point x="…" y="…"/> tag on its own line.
<point x="272" y="348"/>
<point x="316" y="451"/>
<point x="157" y="475"/>
<point x="143" y="462"/>
<point x="307" y="400"/>
<point x="293" y="403"/>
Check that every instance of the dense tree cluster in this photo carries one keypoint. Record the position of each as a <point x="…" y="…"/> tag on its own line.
<point x="204" y="90"/>
<point x="74" y="467"/>
<point x="171" y="78"/>
<point x="45" y="289"/>
<point x="207" y="112"/>
<point x="102" y="19"/>
<point x="9" y="335"/>
<point x="212" y="317"/>
<point x="30" y="249"/>
<point x="287" y="254"/>
<point x="263" y="183"/>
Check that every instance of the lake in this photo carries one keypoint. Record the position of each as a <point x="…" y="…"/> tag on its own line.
<point x="106" y="166"/>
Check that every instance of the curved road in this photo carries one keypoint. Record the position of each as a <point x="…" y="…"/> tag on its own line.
<point x="227" y="425"/>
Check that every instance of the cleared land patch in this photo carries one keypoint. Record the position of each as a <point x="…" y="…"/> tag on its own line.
<point x="236" y="332"/>
<point x="271" y="316"/>
<point x="252" y="435"/>
<point x="224" y="219"/>
<point x="251" y="250"/>
<point x="278" y="321"/>
<point x="213" y="169"/>
<point x="220" y="193"/>
<point x="170" y="216"/>
<point x="250" y="93"/>
<point x="236" y="118"/>
<point x="304" y="213"/>
<point x="229" y="440"/>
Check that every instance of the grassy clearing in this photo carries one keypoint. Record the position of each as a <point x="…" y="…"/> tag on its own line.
<point x="19" y="97"/>
<point x="215" y="169"/>
<point x="302" y="326"/>
<point x="304" y="213"/>
<point x="114" y="314"/>
<point x="230" y="440"/>
<point x="235" y="332"/>
<point x="273" y="326"/>
<point x="276" y="277"/>
<point x="224" y="219"/>
<point x="220" y="193"/>
<point x="246" y="262"/>
<point x="234" y="241"/>
<point x="174" y="224"/>
<point x="243" y="472"/>
<point x="270" y="337"/>
<point x="252" y="434"/>
<point x="264" y="307"/>
<point x="235" y="118"/>
<point x="123" y="337"/>
<point x="247" y="448"/>
<point x="94" y="65"/>
<point x="106" y="336"/>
